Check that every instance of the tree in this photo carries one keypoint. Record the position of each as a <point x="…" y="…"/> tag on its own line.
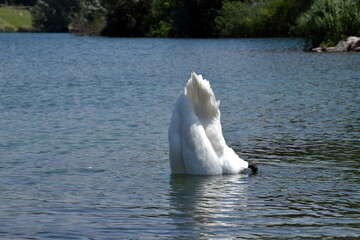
<point x="183" y="18"/>
<point x="126" y="17"/>
<point x="18" y="2"/>
<point x="160" y="19"/>
<point x="53" y="15"/>
<point x="194" y="18"/>
<point x="90" y="19"/>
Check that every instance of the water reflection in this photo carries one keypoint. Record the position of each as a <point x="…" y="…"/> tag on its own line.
<point x="309" y="184"/>
<point x="296" y="114"/>
<point x="200" y="204"/>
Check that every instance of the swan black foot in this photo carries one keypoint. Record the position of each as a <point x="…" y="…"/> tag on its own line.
<point x="253" y="167"/>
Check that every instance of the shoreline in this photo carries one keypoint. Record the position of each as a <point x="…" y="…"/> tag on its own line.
<point x="351" y="44"/>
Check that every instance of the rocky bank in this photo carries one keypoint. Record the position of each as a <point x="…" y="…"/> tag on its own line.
<point x="352" y="44"/>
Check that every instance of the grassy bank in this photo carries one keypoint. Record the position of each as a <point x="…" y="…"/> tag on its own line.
<point x="15" y="19"/>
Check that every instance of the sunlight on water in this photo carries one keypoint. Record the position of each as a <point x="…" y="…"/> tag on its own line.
<point x="84" y="149"/>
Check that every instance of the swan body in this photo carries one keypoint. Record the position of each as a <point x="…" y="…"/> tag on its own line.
<point x="196" y="142"/>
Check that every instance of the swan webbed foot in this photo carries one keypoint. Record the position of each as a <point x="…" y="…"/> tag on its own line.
<point x="254" y="168"/>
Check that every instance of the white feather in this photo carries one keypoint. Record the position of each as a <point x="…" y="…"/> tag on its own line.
<point x="196" y="142"/>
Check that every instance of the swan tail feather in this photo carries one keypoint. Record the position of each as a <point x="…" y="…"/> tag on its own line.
<point x="201" y="95"/>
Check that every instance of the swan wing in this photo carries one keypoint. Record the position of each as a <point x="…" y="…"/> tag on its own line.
<point x="198" y="154"/>
<point x="190" y="149"/>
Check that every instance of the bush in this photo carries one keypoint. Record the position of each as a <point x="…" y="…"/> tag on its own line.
<point x="183" y="18"/>
<point x="53" y="15"/>
<point x="126" y="18"/>
<point x="26" y="29"/>
<point x="7" y="29"/>
<point x="159" y="18"/>
<point x="329" y="21"/>
<point x="258" y="18"/>
<point x="90" y="20"/>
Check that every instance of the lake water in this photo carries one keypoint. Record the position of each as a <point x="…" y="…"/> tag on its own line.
<point x="84" y="149"/>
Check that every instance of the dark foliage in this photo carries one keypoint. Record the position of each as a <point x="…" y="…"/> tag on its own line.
<point x="195" y="18"/>
<point x="329" y="21"/>
<point x="53" y="15"/>
<point x="325" y="21"/>
<point x="126" y="18"/>
<point x="18" y="2"/>
<point x="90" y="19"/>
<point x="258" y="18"/>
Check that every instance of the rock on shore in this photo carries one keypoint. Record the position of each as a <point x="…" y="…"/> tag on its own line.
<point x="352" y="44"/>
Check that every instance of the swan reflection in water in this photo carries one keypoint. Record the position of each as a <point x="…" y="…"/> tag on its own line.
<point x="200" y="205"/>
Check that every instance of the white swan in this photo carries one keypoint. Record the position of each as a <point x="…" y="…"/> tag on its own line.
<point x="196" y="142"/>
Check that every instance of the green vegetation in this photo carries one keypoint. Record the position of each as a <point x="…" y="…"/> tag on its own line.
<point x="126" y="18"/>
<point x="329" y="21"/>
<point x="258" y="18"/>
<point x="53" y="15"/>
<point x="324" y="21"/>
<point x="170" y="18"/>
<point x="90" y="19"/>
<point x="18" y="2"/>
<point x="15" y="18"/>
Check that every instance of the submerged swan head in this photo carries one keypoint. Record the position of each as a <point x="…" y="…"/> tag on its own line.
<point x="196" y="142"/>
<point x="253" y="166"/>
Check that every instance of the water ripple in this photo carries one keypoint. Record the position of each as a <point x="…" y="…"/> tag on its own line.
<point x="83" y="139"/>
